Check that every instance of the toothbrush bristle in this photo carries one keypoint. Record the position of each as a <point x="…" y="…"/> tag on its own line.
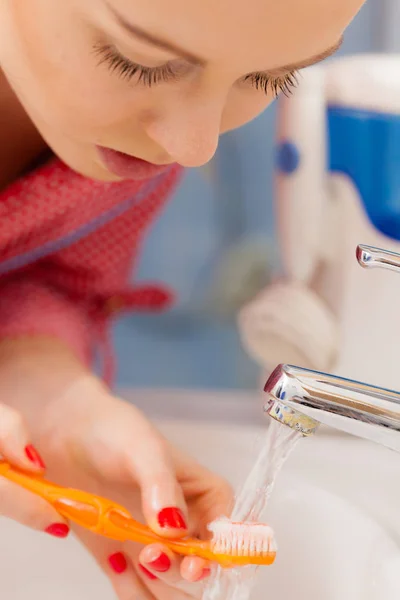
<point x="242" y="539"/>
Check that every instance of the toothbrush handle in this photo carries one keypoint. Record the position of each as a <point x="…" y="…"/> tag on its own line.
<point x="92" y="512"/>
<point x="111" y="520"/>
<point x="97" y="514"/>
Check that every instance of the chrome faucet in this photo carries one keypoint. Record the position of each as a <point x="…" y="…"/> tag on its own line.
<point x="304" y="399"/>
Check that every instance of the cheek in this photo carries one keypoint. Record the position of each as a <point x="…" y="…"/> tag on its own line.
<point x="87" y="97"/>
<point x="243" y="106"/>
<point x="81" y="97"/>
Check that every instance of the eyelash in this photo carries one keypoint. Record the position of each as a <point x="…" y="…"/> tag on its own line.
<point x="276" y="85"/>
<point x="149" y="76"/>
<point x="126" y="69"/>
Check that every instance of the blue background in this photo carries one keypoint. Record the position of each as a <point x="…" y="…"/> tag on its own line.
<point x="214" y="210"/>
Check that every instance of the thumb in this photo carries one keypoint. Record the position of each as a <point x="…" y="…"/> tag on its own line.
<point x="163" y="502"/>
<point x="15" y="446"/>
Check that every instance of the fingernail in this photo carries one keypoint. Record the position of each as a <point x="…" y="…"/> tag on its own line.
<point x="147" y="572"/>
<point x="60" y="530"/>
<point x="161" y="564"/>
<point x="118" y="562"/>
<point x="34" y="456"/>
<point x="206" y="573"/>
<point x="172" y="518"/>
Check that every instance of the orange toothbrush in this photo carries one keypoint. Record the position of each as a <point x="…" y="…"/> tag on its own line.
<point x="233" y="544"/>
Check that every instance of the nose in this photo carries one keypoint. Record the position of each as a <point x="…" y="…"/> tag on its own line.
<point x="188" y="132"/>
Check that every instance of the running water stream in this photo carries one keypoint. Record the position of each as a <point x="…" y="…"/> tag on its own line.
<point x="250" y="504"/>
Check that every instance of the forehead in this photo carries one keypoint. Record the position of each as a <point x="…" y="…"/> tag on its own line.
<point x="249" y="33"/>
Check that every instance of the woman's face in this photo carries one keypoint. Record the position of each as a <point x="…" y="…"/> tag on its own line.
<point x="157" y="79"/>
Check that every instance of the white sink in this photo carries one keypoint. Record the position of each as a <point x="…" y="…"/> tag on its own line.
<point x="335" y="511"/>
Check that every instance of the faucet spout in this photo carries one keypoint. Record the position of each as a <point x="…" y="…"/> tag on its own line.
<point x="357" y="408"/>
<point x="302" y="399"/>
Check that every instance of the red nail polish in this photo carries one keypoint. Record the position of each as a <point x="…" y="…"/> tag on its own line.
<point x="118" y="562"/>
<point x="34" y="456"/>
<point x="147" y="572"/>
<point x="172" y="518"/>
<point x="60" y="530"/>
<point x="161" y="564"/>
<point x="206" y="573"/>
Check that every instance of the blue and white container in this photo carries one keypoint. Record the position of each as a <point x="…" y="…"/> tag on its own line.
<point x="337" y="185"/>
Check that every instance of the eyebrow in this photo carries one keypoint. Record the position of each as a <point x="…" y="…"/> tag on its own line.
<point x="154" y="40"/>
<point x="171" y="47"/>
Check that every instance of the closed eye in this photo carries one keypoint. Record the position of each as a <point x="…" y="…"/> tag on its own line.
<point x="125" y="68"/>
<point x="275" y="85"/>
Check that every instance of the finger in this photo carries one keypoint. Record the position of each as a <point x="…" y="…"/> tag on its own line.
<point x="163" y="503"/>
<point x="15" y="445"/>
<point x="30" y="510"/>
<point x="118" y="567"/>
<point x="195" y="569"/>
<point x="161" y="562"/>
<point x="168" y="589"/>
<point x="170" y="568"/>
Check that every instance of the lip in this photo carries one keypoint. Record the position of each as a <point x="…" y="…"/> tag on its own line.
<point x="127" y="166"/>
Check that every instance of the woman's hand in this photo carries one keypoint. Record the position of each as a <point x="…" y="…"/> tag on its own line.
<point x="104" y="445"/>
<point x="98" y="443"/>
<point x="15" y="502"/>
